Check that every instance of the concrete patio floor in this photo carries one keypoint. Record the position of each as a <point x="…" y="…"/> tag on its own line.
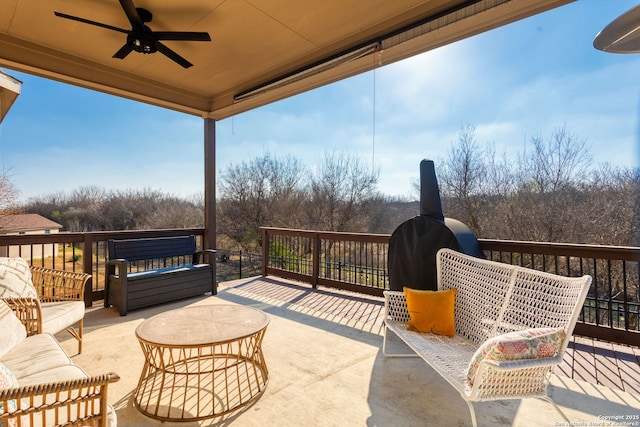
<point x="326" y="368"/>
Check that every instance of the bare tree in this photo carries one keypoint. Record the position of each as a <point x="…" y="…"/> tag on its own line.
<point x="92" y="208"/>
<point x="542" y="196"/>
<point x="263" y="192"/>
<point x="462" y="177"/>
<point x="548" y="180"/>
<point x="610" y="206"/>
<point x="337" y="192"/>
<point x="8" y="193"/>
<point x="556" y="163"/>
<point x="173" y="212"/>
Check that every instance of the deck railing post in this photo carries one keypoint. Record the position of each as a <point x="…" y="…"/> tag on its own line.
<point x="87" y="261"/>
<point x="315" y="256"/>
<point x="265" y="251"/>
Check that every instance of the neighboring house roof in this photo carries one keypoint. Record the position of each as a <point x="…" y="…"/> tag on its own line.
<point x="24" y="222"/>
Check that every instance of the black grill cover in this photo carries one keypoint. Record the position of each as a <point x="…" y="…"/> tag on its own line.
<point x="412" y="252"/>
<point x="414" y="244"/>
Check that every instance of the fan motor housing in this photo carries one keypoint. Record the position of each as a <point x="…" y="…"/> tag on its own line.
<point x="143" y="43"/>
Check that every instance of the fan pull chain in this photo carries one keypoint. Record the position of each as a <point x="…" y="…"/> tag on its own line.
<point x="373" y="135"/>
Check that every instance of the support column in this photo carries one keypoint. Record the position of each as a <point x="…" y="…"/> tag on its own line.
<point x="209" y="184"/>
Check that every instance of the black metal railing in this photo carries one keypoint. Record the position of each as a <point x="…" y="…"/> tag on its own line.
<point x="351" y="261"/>
<point x="233" y="265"/>
<point x="612" y="307"/>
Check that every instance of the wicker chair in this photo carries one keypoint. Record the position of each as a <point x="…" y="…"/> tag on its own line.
<point x="59" y="306"/>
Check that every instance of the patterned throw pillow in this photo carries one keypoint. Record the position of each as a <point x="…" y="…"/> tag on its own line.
<point x="8" y="380"/>
<point x="527" y="344"/>
<point x="12" y="330"/>
<point x="15" y="279"/>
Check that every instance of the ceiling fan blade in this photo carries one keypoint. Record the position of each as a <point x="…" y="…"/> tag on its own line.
<point x="87" y="21"/>
<point x="182" y="35"/>
<point x="123" y="52"/>
<point x="132" y="15"/>
<point x="173" y="56"/>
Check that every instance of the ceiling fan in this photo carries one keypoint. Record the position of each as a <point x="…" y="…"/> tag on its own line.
<point x="141" y="38"/>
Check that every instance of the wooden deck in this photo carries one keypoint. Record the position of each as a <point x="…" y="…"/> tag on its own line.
<point x="612" y="365"/>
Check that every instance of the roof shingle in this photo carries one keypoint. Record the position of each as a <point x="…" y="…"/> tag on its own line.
<point x="24" y="222"/>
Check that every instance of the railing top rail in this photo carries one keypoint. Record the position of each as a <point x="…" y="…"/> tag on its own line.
<point x="78" y="237"/>
<point x="626" y="253"/>
<point x="331" y="235"/>
<point x="34" y="239"/>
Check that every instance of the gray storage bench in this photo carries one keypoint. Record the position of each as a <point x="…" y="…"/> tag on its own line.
<point x="145" y="272"/>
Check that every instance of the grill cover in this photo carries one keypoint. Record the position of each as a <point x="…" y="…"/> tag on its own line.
<point x="412" y="252"/>
<point x="414" y="244"/>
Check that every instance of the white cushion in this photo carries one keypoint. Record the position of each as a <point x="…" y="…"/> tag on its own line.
<point x="15" y="279"/>
<point x="12" y="331"/>
<point x="59" y="315"/>
<point x="34" y="354"/>
<point x="59" y="373"/>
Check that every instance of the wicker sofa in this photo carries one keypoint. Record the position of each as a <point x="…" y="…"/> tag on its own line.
<point x="509" y="326"/>
<point x="39" y="384"/>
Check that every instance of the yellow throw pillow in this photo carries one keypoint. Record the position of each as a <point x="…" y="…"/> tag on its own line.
<point x="431" y="311"/>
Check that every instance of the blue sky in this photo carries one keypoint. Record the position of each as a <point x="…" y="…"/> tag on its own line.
<point x="525" y="79"/>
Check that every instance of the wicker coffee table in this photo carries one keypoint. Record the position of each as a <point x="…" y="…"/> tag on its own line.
<point x="201" y="362"/>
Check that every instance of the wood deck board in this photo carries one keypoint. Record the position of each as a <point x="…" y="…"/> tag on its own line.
<point x="606" y="367"/>
<point x="583" y="362"/>
<point x="629" y="367"/>
<point x="612" y="365"/>
<point x="566" y="367"/>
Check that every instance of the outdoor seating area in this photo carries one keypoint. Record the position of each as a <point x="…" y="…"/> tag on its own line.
<point x="323" y="349"/>
<point x="130" y="326"/>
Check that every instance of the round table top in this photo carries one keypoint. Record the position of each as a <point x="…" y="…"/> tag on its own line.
<point x="201" y="325"/>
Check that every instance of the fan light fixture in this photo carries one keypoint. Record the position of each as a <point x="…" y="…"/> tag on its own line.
<point x="142" y="44"/>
